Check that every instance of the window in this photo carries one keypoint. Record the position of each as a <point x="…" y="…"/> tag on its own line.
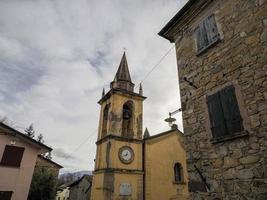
<point x="178" y="172"/>
<point x="105" y="120"/>
<point x="224" y="114"/>
<point x="12" y="156"/>
<point x="127" y="119"/>
<point x="5" y="195"/>
<point x="206" y="33"/>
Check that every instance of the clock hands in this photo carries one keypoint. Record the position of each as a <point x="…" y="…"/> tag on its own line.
<point x="126" y="154"/>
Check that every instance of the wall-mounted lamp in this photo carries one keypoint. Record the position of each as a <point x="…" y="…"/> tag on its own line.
<point x="13" y="142"/>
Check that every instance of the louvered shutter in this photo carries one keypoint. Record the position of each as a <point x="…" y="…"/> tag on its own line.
<point x="217" y="121"/>
<point x="211" y="29"/>
<point x="231" y="111"/>
<point x="201" y="37"/>
<point x="12" y="156"/>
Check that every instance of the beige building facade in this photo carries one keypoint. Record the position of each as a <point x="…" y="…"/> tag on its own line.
<point x="121" y="159"/>
<point x="18" y="155"/>
<point x="221" y="49"/>
<point x="165" y="166"/>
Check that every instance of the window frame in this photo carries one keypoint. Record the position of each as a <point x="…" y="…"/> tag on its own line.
<point x="181" y="180"/>
<point x="9" y="193"/>
<point x="7" y="162"/>
<point x="202" y="25"/>
<point x="243" y="114"/>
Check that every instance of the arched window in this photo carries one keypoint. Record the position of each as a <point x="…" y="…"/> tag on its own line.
<point x="178" y="172"/>
<point x="105" y="120"/>
<point x="127" y="119"/>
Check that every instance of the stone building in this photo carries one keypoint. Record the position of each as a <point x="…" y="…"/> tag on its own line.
<point x="127" y="166"/>
<point x="221" y="49"/>
<point x="81" y="189"/>
<point x="46" y="163"/>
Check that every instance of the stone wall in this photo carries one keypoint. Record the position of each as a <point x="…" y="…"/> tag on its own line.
<point x="234" y="169"/>
<point x="45" y="163"/>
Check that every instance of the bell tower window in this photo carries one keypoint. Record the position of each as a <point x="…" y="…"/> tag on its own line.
<point x="127" y="119"/>
<point x="105" y="121"/>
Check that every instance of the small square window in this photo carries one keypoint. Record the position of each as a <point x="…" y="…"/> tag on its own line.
<point x="206" y="33"/>
<point x="12" y="156"/>
<point x="224" y="113"/>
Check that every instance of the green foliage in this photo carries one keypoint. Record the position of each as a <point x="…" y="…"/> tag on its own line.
<point x="30" y="131"/>
<point x="43" y="186"/>
<point x="40" y="138"/>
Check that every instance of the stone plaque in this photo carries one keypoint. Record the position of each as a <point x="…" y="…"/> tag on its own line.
<point x="125" y="189"/>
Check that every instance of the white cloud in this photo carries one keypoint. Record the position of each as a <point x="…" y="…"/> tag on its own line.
<point x="57" y="55"/>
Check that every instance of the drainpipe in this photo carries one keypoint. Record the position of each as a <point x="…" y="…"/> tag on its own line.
<point x="144" y="168"/>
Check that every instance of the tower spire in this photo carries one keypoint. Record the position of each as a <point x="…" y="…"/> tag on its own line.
<point x="123" y="73"/>
<point x="140" y="89"/>
<point x="146" y="134"/>
<point x="122" y="78"/>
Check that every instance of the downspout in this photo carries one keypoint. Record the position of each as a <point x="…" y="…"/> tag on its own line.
<point x="144" y="168"/>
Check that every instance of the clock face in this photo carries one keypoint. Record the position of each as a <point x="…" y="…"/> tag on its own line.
<point x="126" y="154"/>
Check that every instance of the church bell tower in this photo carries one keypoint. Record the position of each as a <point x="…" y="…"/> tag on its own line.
<point x="118" y="170"/>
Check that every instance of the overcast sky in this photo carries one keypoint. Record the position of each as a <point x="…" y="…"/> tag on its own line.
<point x="56" y="56"/>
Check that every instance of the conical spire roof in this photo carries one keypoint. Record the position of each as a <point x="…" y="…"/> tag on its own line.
<point x="122" y="78"/>
<point x="123" y="73"/>
<point x="146" y="134"/>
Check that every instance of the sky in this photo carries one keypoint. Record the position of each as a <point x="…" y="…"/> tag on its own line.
<point x="56" y="56"/>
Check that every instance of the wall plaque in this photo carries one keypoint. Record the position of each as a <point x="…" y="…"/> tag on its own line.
<point x="125" y="189"/>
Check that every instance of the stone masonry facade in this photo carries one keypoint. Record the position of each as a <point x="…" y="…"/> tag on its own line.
<point x="234" y="168"/>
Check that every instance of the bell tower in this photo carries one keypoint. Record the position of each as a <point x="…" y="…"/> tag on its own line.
<point x="118" y="170"/>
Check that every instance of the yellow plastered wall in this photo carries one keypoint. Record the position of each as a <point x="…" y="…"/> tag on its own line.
<point x="161" y="154"/>
<point x="116" y="102"/>
<point x="114" y="161"/>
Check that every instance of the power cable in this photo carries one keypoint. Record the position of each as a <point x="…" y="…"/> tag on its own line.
<point x="155" y="66"/>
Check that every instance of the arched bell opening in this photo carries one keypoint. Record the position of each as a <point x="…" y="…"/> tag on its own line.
<point x="127" y="119"/>
<point x="105" y="121"/>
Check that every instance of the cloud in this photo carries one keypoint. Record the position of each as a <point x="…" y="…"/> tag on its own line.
<point x="56" y="56"/>
<point x="61" y="153"/>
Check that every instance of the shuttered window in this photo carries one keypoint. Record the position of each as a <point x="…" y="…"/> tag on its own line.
<point x="206" y="33"/>
<point x="224" y="114"/>
<point x="12" y="156"/>
<point x="5" y="195"/>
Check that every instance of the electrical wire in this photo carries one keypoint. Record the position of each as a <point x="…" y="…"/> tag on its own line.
<point x="155" y="66"/>
<point x="84" y="141"/>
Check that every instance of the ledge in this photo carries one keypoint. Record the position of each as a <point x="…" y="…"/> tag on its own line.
<point x="10" y="166"/>
<point x="179" y="182"/>
<point x="199" y="53"/>
<point x="229" y="137"/>
<point x="118" y="170"/>
<point x="119" y="138"/>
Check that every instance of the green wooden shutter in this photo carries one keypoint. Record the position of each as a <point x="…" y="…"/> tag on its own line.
<point x="201" y="37"/>
<point x="216" y="116"/>
<point x="211" y="29"/>
<point x="231" y="110"/>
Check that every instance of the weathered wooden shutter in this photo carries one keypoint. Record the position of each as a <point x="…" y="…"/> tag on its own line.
<point x="5" y="195"/>
<point x="211" y="29"/>
<point x="201" y="37"/>
<point x="12" y="156"/>
<point x="216" y="116"/>
<point x="231" y="111"/>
